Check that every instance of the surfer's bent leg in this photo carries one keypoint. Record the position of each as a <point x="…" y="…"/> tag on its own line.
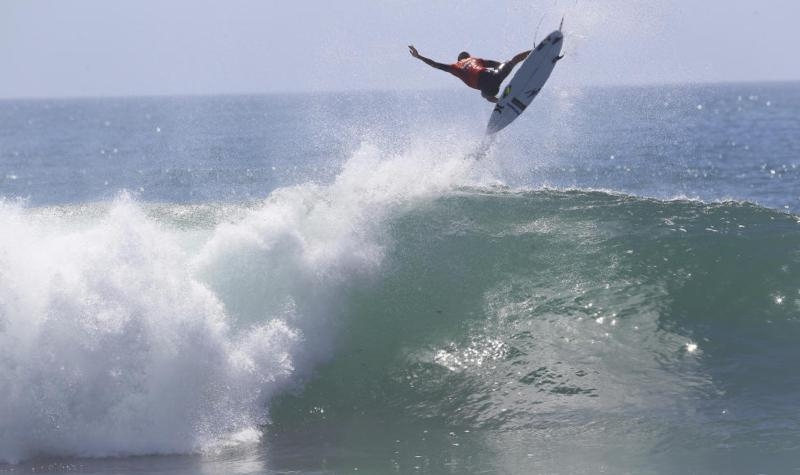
<point x="489" y="83"/>
<point x="489" y="97"/>
<point x="519" y="57"/>
<point x="504" y="70"/>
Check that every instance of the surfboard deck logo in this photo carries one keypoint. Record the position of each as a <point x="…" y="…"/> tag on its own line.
<point x="528" y="81"/>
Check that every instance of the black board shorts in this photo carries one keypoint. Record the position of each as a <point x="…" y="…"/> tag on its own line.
<point x="490" y="79"/>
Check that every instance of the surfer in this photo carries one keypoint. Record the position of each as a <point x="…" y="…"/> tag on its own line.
<point x="484" y="75"/>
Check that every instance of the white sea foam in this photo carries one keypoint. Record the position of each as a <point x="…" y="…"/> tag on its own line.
<point x="109" y="346"/>
<point x="117" y="338"/>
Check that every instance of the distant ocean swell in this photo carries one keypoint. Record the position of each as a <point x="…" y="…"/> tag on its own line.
<point x="136" y="329"/>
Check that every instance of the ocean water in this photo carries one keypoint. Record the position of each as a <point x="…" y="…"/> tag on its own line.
<point x="323" y="283"/>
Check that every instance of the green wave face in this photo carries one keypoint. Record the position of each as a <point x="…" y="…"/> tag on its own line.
<point x="523" y="325"/>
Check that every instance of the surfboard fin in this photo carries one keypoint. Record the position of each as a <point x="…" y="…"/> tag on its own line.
<point x="536" y="34"/>
<point x="560" y="26"/>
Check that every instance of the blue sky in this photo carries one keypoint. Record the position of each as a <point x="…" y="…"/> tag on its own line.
<point x="134" y="47"/>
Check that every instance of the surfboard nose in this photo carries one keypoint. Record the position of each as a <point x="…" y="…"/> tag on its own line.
<point x="555" y="37"/>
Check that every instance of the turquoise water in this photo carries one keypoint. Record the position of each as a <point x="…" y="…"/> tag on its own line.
<point x="320" y="284"/>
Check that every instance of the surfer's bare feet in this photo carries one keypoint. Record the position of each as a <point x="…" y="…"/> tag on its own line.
<point x="516" y="59"/>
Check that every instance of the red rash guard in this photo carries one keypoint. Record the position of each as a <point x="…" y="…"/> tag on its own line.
<point x="468" y="70"/>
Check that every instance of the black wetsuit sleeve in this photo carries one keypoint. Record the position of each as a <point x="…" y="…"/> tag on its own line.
<point x="490" y="63"/>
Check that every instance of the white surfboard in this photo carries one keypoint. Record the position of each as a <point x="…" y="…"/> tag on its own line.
<point x="527" y="82"/>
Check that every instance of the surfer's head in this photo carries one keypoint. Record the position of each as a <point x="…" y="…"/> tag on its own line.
<point x="463" y="55"/>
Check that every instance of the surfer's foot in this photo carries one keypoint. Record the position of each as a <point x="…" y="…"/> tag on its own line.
<point x="516" y="59"/>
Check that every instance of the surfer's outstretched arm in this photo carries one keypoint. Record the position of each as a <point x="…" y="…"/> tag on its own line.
<point x="429" y="62"/>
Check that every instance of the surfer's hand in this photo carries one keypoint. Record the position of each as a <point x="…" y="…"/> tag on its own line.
<point x="413" y="51"/>
<point x="492" y="99"/>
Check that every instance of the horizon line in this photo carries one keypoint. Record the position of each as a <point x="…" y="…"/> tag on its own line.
<point x="158" y="95"/>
